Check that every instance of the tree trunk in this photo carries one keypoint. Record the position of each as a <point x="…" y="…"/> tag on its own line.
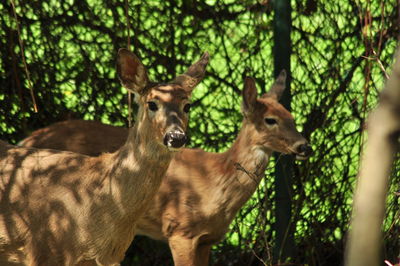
<point x="284" y="243"/>
<point x="365" y="238"/>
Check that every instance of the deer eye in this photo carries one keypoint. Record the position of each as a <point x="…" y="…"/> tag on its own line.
<point x="270" y="121"/>
<point x="152" y="106"/>
<point x="186" y="108"/>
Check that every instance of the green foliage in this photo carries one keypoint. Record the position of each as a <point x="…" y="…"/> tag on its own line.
<point x="339" y="50"/>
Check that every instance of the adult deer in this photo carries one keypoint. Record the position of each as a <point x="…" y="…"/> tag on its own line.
<point x="202" y="191"/>
<point x="63" y="208"/>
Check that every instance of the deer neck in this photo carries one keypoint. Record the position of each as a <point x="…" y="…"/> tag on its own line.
<point x="130" y="178"/>
<point x="138" y="167"/>
<point x="244" y="166"/>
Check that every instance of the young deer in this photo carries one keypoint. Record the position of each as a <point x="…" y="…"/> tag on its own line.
<point x="63" y="208"/>
<point x="202" y="191"/>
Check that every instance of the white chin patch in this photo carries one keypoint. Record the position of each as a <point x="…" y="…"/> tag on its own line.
<point x="169" y="143"/>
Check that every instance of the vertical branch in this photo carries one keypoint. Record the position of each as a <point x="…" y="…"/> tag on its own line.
<point x="21" y="44"/>
<point x="398" y="18"/>
<point x="284" y="246"/>
<point x="365" y="237"/>
<point x="128" y="46"/>
<point x="128" y="26"/>
<point x="368" y="43"/>
<point x="171" y="67"/>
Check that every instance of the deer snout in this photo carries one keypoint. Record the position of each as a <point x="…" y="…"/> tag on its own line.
<point x="302" y="150"/>
<point x="175" y="139"/>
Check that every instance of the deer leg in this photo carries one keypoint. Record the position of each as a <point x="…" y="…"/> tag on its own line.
<point x="37" y="254"/>
<point x="183" y="250"/>
<point x="203" y="254"/>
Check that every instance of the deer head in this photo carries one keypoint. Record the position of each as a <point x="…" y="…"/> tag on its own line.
<point x="275" y="129"/>
<point x="165" y="106"/>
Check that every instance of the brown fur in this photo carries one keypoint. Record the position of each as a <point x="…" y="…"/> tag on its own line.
<point x="203" y="191"/>
<point x="63" y="208"/>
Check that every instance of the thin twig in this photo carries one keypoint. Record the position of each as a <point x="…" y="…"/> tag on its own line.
<point x="21" y="44"/>
<point x="376" y="58"/>
<point x="128" y="45"/>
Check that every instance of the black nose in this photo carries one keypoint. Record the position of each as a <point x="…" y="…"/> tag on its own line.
<point x="175" y="139"/>
<point x="304" y="150"/>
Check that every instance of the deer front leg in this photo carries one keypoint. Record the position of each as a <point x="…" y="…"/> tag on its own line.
<point x="188" y="252"/>
<point x="202" y="254"/>
<point x="40" y="253"/>
<point x="183" y="250"/>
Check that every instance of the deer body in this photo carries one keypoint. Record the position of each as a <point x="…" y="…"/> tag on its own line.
<point x="203" y="191"/>
<point x="64" y="208"/>
<point x="89" y="215"/>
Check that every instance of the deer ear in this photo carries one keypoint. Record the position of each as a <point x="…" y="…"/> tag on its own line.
<point x="249" y="95"/>
<point x="131" y="72"/>
<point x="278" y="87"/>
<point x="193" y="76"/>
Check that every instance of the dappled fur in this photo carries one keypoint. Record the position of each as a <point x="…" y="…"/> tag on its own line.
<point x="203" y="191"/>
<point x="63" y="208"/>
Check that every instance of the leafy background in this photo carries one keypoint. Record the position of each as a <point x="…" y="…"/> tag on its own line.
<point x="341" y="53"/>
